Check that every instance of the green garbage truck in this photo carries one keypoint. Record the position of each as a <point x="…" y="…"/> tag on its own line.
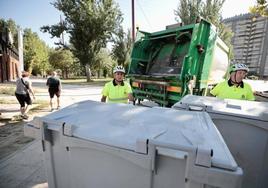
<point x="180" y="60"/>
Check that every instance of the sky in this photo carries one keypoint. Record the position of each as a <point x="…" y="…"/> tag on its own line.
<point x="150" y="15"/>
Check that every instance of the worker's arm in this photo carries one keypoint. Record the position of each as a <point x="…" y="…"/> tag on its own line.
<point x="103" y="98"/>
<point x="130" y="97"/>
<point x="105" y="93"/>
<point x="216" y="90"/>
<point x="129" y="91"/>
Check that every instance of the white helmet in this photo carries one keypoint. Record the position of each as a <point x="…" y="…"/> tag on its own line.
<point x="238" y="66"/>
<point x="119" y="68"/>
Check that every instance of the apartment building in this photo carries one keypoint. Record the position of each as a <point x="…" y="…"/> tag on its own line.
<point x="250" y="42"/>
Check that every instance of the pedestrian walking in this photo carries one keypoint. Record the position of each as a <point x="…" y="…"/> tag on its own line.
<point x="54" y="88"/>
<point x="22" y="93"/>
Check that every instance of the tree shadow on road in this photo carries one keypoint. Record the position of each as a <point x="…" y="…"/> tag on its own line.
<point x="12" y="137"/>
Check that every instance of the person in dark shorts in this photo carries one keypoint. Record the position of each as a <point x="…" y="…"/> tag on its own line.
<point x="22" y="93"/>
<point x="54" y="88"/>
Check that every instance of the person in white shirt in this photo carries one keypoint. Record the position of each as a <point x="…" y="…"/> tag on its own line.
<point x="22" y="93"/>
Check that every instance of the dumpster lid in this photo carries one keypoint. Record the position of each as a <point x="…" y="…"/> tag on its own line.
<point x="240" y="108"/>
<point x="121" y="125"/>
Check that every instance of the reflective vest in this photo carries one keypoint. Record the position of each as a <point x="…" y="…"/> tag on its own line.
<point x="116" y="93"/>
<point x="225" y="90"/>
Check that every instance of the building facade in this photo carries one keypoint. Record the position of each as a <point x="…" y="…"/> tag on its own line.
<point x="250" y="42"/>
<point x="9" y="60"/>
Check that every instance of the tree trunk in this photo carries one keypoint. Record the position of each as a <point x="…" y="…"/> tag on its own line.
<point x="63" y="73"/>
<point x="99" y="73"/>
<point x="66" y="73"/>
<point x="99" y="70"/>
<point x="88" y="72"/>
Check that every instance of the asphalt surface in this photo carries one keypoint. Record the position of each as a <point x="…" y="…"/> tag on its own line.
<point x="70" y="94"/>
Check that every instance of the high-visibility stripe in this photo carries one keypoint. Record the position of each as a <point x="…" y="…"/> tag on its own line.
<point x="174" y="89"/>
<point x="152" y="82"/>
<point x="169" y="88"/>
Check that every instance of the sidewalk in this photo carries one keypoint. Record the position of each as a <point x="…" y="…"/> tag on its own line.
<point x="8" y="111"/>
<point x="9" y="108"/>
<point x="11" y="111"/>
<point x="24" y="168"/>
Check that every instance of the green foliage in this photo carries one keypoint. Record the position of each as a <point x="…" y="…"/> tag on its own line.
<point x="7" y="90"/>
<point x="62" y="59"/>
<point x="188" y="10"/>
<point x="211" y="11"/>
<point x="121" y="47"/>
<point x="35" y="53"/>
<point x="11" y="27"/>
<point x="35" y="50"/>
<point x="104" y="63"/>
<point x="261" y="8"/>
<point x="90" y="24"/>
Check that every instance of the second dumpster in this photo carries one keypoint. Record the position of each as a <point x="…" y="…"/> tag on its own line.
<point x="244" y="127"/>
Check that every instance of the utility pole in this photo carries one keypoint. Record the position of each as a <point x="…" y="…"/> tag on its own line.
<point x="133" y="21"/>
<point x="20" y="48"/>
<point x="62" y="35"/>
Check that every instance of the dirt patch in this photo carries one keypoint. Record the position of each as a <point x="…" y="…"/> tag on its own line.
<point x="12" y="137"/>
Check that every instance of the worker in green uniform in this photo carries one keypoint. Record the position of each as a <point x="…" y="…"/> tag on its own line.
<point x="234" y="88"/>
<point x="117" y="91"/>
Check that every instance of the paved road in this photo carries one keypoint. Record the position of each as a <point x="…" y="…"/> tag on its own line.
<point x="70" y="93"/>
<point x="25" y="168"/>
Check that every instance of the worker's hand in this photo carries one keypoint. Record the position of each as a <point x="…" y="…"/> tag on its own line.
<point x="130" y="102"/>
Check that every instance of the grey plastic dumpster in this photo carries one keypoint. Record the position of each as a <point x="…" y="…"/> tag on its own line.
<point x="98" y="145"/>
<point x="244" y="127"/>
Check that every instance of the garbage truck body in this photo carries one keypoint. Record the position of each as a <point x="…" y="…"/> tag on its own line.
<point x="167" y="65"/>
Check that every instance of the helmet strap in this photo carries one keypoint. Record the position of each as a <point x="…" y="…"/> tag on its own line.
<point x="234" y="81"/>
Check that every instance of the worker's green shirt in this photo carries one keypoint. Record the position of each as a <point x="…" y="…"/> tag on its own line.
<point x="226" y="90"/>
<point x="116" y="93"/>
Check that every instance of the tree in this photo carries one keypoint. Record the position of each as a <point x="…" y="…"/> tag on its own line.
<point x="11" y="27"/>
<point x="62" y="59"/>
<point x="104" y="63"/>
<point x="90" y="24"/>
<point x="35" y="53"/>
<point x="261" y="8"/>
<point x="188" y="10"/>
<point x="121" y="47"/>
<point x="35" y="50"/>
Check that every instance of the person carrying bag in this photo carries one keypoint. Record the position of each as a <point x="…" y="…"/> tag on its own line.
<point x="22" y="93"/>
